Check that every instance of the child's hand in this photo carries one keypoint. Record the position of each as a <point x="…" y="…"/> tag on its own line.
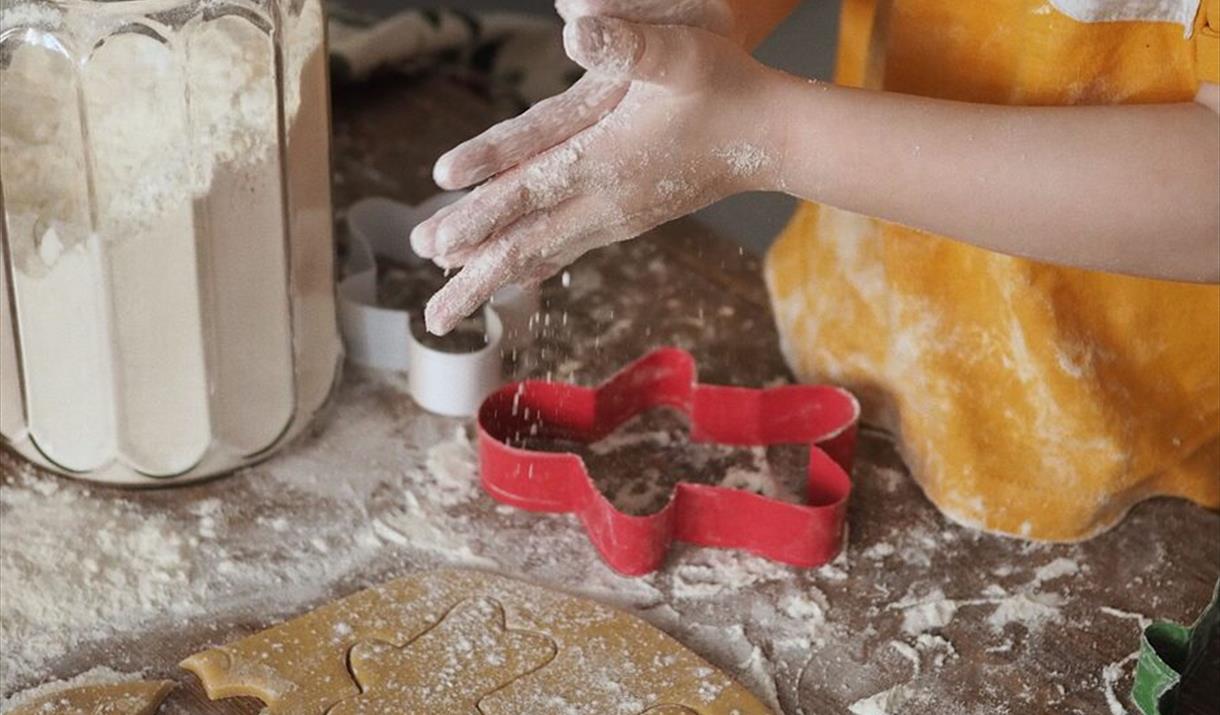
<point x="694" y="126"/>
<point x="555" y="120"/>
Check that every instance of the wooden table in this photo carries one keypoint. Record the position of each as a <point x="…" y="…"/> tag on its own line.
<point x="935" y="617"/>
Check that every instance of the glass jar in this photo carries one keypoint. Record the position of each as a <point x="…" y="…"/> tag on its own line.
<point x="167" y="293"/>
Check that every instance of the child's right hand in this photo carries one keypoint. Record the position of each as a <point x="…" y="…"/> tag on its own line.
<point x="698" y="122"/>
<point x="557" y="119"/>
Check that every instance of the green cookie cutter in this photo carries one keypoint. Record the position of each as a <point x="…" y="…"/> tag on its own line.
<point x="1170" y="653"/>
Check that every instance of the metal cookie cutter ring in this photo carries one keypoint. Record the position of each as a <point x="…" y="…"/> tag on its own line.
<point x="806" y="534"/>
<point x="447" y="383"/>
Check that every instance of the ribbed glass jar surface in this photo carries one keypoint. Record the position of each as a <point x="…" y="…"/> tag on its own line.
<point x="167" y="295"/>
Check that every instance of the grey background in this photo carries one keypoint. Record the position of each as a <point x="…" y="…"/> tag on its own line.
<point x="804" y="44"/>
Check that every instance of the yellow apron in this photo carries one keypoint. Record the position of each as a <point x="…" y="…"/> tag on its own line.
<point x="1028" y="399"/>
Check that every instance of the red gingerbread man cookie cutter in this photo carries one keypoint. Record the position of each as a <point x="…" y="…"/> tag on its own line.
<point x="807" y="534"/>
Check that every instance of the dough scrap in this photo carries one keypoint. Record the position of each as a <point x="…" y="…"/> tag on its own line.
<point x="468" y="643"/>
<point x="141" y="698"/>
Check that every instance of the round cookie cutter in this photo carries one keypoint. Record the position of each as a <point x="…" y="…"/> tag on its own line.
<point x="442" y="381"/>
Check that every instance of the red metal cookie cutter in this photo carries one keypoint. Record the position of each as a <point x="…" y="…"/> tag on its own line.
<point x="799" y="534"/>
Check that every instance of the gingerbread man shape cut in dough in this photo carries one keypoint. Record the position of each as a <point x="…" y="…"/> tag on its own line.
<point x="569" y="655"/>
<point x="448" y="669"/>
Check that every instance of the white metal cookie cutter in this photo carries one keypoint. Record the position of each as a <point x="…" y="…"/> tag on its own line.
<point x="447" y="383"/>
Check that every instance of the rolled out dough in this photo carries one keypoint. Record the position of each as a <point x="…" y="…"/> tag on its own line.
<point x="141" y="698"/>
<point x="468" y="643"/>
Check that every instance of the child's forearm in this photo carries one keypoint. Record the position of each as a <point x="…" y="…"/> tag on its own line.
<point x="1127" y="189"/>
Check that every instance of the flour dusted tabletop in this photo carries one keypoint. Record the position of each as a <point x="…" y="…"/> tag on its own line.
<point x="917" y="616"/>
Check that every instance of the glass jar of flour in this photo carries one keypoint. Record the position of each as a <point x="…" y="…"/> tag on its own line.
<point x="167" y="297"/>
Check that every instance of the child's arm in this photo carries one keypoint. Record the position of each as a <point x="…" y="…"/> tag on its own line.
<point x="1130" y="189"/>
<point x="1126" y="189"/>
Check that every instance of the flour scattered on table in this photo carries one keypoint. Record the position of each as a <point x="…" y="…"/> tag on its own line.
<point x="1110" y="675"/>
<point x="926" y="613"/>
<point x="707" y="573"/>
<point x="111" y="563"/>
<point x="886" y="702"/>
<point x="878" y="551"/>
<point x="97" y="563"/>
<point x="1056" y="569"/>
<point x="1031" y="610"/>
<point x="448" y="467"/>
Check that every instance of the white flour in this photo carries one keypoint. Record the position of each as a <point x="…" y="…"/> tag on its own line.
<point x="1033" y="610"/>
<point x="879" y="551"/>
<point x="142" y="166"/>
<point x="1110" y="675"/>
<point x="112" y="564"/>
<point x="102" y="228"/>
<point x="1028" y="606"/>
<point x="933" y="611"/>
<point x="711" y="572"/>
<point x="126" y="566"/>
<point x="886" y="702"/>
<point x="1058" y="568"/>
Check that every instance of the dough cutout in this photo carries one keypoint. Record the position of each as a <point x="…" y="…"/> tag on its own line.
<point x="467" y="655"/>
<point x="141" y="698"/>
<point x="468" y="643"/>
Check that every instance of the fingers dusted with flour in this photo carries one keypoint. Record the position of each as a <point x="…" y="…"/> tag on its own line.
<point x="685" y="133"/>
<point x="554" y="120"/>
<point x="541" y="127"/>
<point x="524" y="253"/>
<point x="538" y="184"/>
